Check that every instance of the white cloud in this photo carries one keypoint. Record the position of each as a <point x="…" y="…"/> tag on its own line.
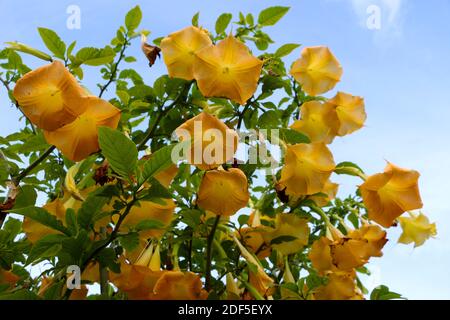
<point x="391" y="14"/>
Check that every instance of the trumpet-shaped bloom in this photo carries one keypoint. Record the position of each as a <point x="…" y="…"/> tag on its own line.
<point x="373" y="236"/>
<point x="317" y="70"/>
<point x="223" y="192"/>
<point x="307" y="168"/>
<point x="350" y="112"/>
<point x="228" y="70"/>
<point x="258" y="278"/>
<point x="387" y="195"/>
<point x="213" y="143"/>
<point x="416" y="228"/>
<point x="50" y="96"/>
<point x="79" y="139"/>
<point x="141" y="283"/>
<point x="148" y="210"/>
<point x="319" y="122"/>
<point x="340" y="286"/>
<point x="254" y="239"/>
<point x="291" y="234"/>
<point x="327" y="194"/>
<point x="347" y="252"/>
<point x="180" y="48"/>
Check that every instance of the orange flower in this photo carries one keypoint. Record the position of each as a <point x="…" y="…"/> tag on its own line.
<point x="141" y="283"/>
<point x="179" y="50"/>
<point x="327" y="194"/>
<point x="350" y="112"/>
<point x="373" y="236"/>
<point x="223" y="192"/>
<point x="254" y="240"/>
<point x="50" y="96"/>
<point x="213" y="143"/>
<point x="148" y="210"/>
<point x="340" y="286"/>
<point x="290" y="235"/>
<point x="319" y="122"/>
<point x="388" y="195"/>
<point x="79" y="139"/>
<point x="317" y="70"/>
<point x="347" y="252"/>
<point x="307" y="168"/>
<point x="227" y="70"/>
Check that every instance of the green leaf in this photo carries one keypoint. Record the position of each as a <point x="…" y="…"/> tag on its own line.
<point x="149" y="224"/>
<point x="90" y="208"/>
<point x="53" y="42"/>
<point x="159" y="161"/>
<point x="46" y="247"/>
<point x="120" y="151"/>
<point x="349" y="168"/>
<point x="26" y="197"/>
<point x="286" y="49"/>
<point x="24" y="294"/>
<point x="281" y="239"/>
<point x="156" y="191"/>
<point x="383" y="293"/>
<point x="133" y="18"/>
<point x="292" y="136"/>
<point x="43" y="217"/>
<point x="95" y="57"/>
<point x="195" y="19"/>
<point x="29" y="50"/>
<point x="130" y="241"/>
<point x="269" y="119"/>
<point x="270" y="16"/>
<point x="222" y="22"/>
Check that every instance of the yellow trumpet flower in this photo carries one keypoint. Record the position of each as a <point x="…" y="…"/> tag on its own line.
<point x="416" y="228"/>
<point x="180" y="48"/>
<point x="319" y="122"/>
<point x="50" y="96"/>
<point x="79" y="139"/>
<point x="389" y="194"/>
<point x="228" y="70"/>
<point x="327" y="194"/>
<point x="213" y="143"/>
<point x="317" y="70"/>
<point x="350" y="112"/>
<point x="223" y="192"/>
<point x="307" y="168"/>
<point x="290" y="235"/>
<point x="148" y="210"/>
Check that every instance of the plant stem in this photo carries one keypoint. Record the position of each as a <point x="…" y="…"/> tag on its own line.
<point x="114" y="69"/>
<point x="26" y="171"/>
<point x="112" y="237"/>
<point x="209" y="253"/>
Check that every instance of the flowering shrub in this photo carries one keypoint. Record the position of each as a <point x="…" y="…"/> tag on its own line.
<point x="148" y="194"/>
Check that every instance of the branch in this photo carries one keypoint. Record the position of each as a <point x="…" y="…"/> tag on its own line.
<point x="26" y="171"/>
<point x="112" y="237"/>
<point x="209" y="254"/>
<point x="114" y="69"/>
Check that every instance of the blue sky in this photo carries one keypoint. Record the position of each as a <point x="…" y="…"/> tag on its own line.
<point x="402" y="70"/>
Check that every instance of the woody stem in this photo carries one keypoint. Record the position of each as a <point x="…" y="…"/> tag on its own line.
<point x="33" y="165"/>
<point x="209" y="253"/>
